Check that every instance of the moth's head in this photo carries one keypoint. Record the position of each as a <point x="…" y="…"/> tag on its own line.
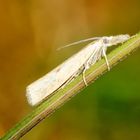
<point x="114" y="40"/>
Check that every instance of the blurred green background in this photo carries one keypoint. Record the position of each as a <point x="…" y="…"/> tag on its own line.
<point x="30" y="32"/>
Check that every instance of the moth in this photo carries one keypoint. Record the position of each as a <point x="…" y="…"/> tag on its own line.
<point x="39" y="90"/>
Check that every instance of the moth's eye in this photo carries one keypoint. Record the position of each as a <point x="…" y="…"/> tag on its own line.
<point x="105" y="41"/>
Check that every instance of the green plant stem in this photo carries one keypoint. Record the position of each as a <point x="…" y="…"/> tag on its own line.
<point x="63" y="95"/>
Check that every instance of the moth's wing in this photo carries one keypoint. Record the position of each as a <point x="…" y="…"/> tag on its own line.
<point x="42" y="88"/>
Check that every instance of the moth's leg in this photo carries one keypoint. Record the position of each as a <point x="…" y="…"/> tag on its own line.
<point x="68" y="81"/>
<point x="86" y="66"/>
<point x="105" y="56"/>
<point x="84" y="78"/>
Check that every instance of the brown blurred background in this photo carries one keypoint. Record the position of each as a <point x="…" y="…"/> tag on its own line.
<point x="30" y="32"/>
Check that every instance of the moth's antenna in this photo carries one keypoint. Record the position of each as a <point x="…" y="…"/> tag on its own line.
<point x="78" y="42"/>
